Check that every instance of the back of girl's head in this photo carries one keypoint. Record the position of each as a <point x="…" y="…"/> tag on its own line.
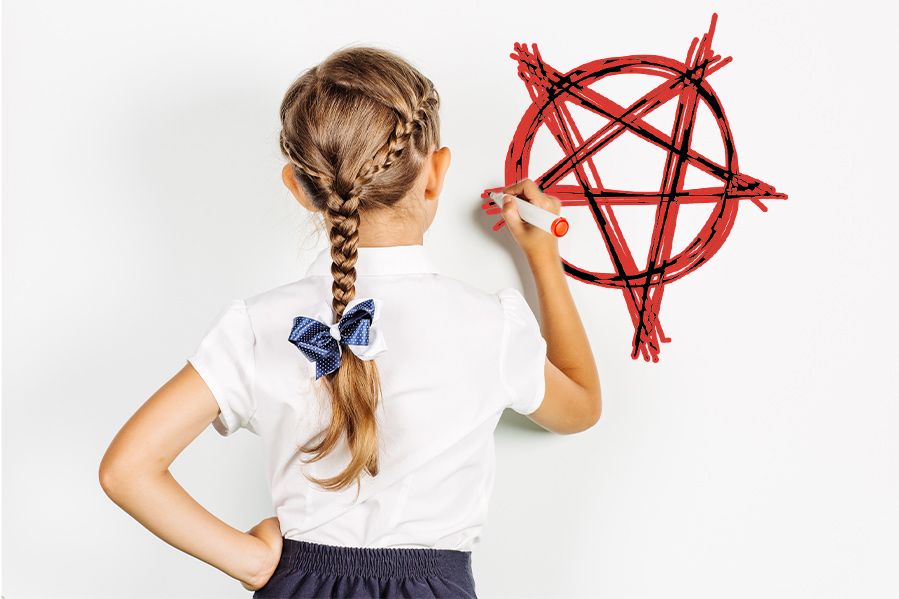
<point x="357" y="129"/>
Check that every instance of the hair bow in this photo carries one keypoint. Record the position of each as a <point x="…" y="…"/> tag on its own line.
<point x="320" y="342"/>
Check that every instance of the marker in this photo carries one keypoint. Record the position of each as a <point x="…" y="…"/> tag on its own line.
<point x="544" y="219"/>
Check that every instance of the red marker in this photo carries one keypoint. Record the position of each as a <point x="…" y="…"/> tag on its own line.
<point x="548" y="221"/>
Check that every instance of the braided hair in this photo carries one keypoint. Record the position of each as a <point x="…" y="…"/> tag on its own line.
<point x="357" y="129"/>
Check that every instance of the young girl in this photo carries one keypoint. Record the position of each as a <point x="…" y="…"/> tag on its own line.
<point x="375" y="382"/>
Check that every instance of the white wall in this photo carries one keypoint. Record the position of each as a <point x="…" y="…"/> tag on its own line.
<point x="757" y="458"/>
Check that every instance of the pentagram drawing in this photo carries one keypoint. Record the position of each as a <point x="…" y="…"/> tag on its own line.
<point x="684" y="83"/>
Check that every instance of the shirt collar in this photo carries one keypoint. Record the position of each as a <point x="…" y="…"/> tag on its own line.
<point x="380" y="260"/>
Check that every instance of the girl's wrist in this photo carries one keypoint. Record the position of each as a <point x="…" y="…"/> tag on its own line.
<point x="544" y="258"/>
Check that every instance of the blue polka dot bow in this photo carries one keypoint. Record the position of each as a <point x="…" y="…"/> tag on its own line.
<point x="321" y="343"/>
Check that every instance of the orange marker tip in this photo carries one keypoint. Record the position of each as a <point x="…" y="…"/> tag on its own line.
<point x="559" y="227"/>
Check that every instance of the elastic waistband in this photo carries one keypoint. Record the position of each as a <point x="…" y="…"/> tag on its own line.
<point x="406" y="562"/>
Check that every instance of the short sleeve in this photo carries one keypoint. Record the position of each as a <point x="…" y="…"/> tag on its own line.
<point x="225" y="359"/>
<point x="523" y="353"/>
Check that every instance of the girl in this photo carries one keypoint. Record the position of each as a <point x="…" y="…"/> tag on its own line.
<point x="380" y="469"/>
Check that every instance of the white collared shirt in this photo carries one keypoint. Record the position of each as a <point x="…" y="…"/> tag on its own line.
<point x="455" y="358"/>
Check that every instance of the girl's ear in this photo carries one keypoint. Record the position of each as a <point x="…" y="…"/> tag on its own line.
<point x="290" y="181"/>
<point x="439" y="162"/>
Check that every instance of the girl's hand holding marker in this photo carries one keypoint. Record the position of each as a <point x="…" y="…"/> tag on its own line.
<point x="538" y="210"/>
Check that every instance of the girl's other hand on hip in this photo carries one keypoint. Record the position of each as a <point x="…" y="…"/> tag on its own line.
<point x="269" y="532"/>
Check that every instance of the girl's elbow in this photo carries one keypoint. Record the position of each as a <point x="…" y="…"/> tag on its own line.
<point x="109" y="479"/>
<point x="114" y="477"/>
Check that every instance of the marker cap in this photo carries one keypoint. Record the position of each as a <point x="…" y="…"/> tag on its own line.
<point x="559" y="227"/>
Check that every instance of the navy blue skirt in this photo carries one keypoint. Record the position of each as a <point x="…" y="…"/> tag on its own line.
<point x="315" y="570"/>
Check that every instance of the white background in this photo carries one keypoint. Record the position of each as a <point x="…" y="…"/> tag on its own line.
<point x="757" y="458"/>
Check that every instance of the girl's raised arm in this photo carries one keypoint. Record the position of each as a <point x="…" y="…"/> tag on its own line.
<point x="573" y="398"/>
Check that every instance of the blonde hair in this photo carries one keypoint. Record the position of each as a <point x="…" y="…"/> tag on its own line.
<point x="357" y="128"/>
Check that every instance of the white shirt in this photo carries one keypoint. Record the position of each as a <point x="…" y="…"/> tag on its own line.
<point x="456" y="357"/>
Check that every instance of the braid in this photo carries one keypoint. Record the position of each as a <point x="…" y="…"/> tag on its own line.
<point x="403" y="131"/>
<point x="343" y="214"/>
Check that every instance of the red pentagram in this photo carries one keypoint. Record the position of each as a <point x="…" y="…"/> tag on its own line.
<point x="551" y="89"/>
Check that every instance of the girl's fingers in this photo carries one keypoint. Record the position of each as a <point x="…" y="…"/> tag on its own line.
<point x="510" y="214"/>
<point x="531" y="192"/>
<point x="524" y="187"/>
